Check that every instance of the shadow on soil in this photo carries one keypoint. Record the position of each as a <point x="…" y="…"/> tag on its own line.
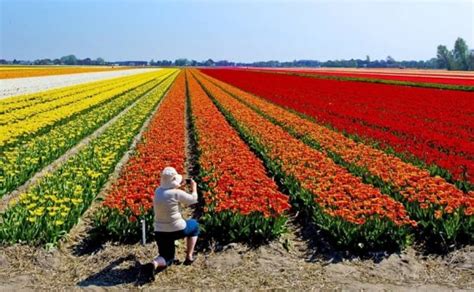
<point x="320" y="249"/>
<point x="89" y="244"/>
<point x="124" y="270"/>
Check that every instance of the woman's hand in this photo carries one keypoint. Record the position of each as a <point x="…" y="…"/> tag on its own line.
<point x="193" y="186"/>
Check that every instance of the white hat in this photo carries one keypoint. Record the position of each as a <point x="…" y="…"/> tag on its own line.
<point x="170" y="178"/>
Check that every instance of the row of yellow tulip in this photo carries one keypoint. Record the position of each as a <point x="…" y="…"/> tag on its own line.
<point x="15" y="116"/>
<point x="11" y="133"/>
<point x="55" y="204"/>
<point x="20" y="161"/>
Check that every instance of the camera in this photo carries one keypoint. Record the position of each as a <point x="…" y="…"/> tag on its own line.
<point x="188" y="180"/>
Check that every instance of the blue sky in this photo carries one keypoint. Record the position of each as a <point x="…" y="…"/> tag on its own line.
<point x="233" y="30"/>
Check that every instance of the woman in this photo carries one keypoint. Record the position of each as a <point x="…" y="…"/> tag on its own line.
<point x="169" y="224"/>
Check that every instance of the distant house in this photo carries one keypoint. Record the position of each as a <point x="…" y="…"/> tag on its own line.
<point x="131" y="63"/>
<point x="22" y="62"/>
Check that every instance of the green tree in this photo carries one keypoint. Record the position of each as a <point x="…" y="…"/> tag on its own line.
<point x="209" y="63"/>
<point x="461" y="54"/>
<point x="100" y="61"/>
<point x="391" y="61"/>
<point x="471" y="60"/>
<point x="444" y="58"/>
<point x="69" y="60"/>
<point x="181" y="62"/>
<point x="353" y="63"/>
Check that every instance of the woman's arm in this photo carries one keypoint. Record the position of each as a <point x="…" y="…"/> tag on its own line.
<point x="188" y="199"/>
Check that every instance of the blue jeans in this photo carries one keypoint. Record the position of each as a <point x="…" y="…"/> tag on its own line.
<point x="165" y="240"/>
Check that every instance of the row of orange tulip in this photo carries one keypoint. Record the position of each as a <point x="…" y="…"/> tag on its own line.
<point x="241" y="200"/>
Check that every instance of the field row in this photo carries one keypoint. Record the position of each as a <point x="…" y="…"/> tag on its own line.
<point x="435" y="80"/>
<point x="30" y="119"/>
<point x="18" y="109"/>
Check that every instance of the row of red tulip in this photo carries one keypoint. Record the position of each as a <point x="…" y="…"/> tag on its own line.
<point x="395" y="116"/>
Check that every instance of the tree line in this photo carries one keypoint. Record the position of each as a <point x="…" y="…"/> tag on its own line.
<point x="459" y="58"/>
<point x="389" y="62"/>
<point x="66" y="60"/>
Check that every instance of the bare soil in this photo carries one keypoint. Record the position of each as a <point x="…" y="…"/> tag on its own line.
<point x="292" y="262"/>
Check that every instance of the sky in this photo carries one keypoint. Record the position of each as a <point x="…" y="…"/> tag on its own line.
<point x="243" y="31"/>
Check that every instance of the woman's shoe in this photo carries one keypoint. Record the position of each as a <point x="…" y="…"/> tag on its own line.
<point x="176" y="262"/>
<point x="188" y="262"/>
<point x="148" y="273"/>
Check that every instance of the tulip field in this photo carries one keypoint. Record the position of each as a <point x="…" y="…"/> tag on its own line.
<point x="372" y="164"/>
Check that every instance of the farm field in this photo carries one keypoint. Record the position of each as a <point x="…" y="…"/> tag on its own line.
<point x="408" y="77"/>
<point x="299" y="177"/>
<point x="10" y="72"/>
<point x="392" y="71"/>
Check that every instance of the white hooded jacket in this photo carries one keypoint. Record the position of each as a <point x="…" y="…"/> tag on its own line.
<point x="166" y="202"/>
